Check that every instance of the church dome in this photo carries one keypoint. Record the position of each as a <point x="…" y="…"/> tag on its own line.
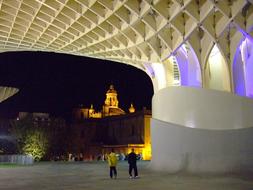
<point x="131" y="109"/>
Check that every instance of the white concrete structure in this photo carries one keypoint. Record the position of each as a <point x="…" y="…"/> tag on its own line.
<point x="6" y="92"/>
<point x="202" y="108"/>
<point x="206" y="44"/>
<point x="201" y="130"/>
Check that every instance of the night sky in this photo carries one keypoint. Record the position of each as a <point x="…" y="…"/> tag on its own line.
<point x="56" y="83"/>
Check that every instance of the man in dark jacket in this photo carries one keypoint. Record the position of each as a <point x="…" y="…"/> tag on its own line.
<point x="132" y="157"/>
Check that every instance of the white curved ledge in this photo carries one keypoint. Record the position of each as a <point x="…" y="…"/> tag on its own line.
<point x="6" y="92"/>
<point x="182" y="149"/>
<point x="202" y="108"/>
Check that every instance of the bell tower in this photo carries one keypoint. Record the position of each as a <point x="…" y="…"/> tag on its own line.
<point x="111" y="105"/>
<point x="111" y="98"/>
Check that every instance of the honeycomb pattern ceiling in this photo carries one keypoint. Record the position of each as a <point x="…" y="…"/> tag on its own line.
<point x="128" y="31"/>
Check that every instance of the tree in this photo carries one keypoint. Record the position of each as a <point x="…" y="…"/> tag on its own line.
<point x="30" y="139"/>
<point x="36" y="144"/>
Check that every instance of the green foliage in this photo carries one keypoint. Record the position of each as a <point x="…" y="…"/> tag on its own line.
<point x="36" y="144"/>
<point x="30" y="139"/>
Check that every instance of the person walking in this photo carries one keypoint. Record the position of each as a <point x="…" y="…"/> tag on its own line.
<point x="112" y="161"/>
<point x="132" y="157"/>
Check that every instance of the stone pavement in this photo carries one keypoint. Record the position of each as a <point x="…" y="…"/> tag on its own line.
<point x="95" y="176"/>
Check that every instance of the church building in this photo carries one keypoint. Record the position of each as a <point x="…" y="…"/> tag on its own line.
<point x="110" y="107"/>
<point x="96" y="133"/>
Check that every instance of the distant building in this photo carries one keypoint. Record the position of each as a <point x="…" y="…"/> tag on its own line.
<point x="35" y="115"/>
<point x="94" y="137"/>
<point x="96" y="133"/>
<point x="110" y="107"/>
<point x="39" y="118"/>
<point x="93" y="134"/>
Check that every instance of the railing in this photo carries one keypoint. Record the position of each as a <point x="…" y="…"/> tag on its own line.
<point x="17" y="159"/>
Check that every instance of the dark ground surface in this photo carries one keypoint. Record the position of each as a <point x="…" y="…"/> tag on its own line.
<point x="94" y="176"/>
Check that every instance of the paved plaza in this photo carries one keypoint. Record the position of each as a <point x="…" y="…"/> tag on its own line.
<point x="94" y="176"/>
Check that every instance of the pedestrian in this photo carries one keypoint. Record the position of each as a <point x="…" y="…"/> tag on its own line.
<point x="112" y="161"/>
<point x="132" y="157"/>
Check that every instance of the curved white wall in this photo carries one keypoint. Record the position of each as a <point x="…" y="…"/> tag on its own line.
<point x="201" y="130"/>
<point x="181" y="149"/>
<point x="202" y="108"/>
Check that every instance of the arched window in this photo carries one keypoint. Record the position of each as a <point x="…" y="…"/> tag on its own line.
<point x="243" y="69"/>
<point x="183" y="68"/>
<point x="216" y="71"/>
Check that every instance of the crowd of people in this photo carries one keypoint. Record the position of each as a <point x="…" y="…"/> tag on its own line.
<point x="100" y="157"/>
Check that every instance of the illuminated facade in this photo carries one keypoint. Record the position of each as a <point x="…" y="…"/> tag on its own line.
<point x="189" y="48"/>
<point x="97" y="136"/>
<point x="110" y="107"/>
<point x="112" y="128"/>
<point x="131" y="109"/>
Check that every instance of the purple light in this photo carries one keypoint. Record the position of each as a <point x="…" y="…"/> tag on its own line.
<point x="243" y="68"/>
<point x="183" y="67"/>
<point x="149" y="69"/>
<point x="189" y="68"/>
<point x="238" y="76"/>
